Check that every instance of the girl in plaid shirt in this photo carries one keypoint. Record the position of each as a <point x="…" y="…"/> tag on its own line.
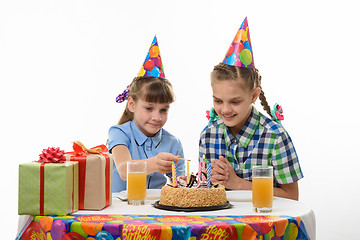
<point x="243" y="137"/>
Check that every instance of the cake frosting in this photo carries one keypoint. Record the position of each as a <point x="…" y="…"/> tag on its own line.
<point x="194" y="192"/>
<point x="193" y="196"/>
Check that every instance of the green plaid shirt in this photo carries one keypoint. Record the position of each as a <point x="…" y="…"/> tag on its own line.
<point x="261" y="141"/>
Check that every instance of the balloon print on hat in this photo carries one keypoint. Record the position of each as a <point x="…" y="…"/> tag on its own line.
<point x="240" y="52"/>
<point x="152" y="66"/>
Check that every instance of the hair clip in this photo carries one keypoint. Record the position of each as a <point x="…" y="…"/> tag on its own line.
<point x="277" y="113"/>
<point x="211" y="115"/>
<point x="123" y="96"/>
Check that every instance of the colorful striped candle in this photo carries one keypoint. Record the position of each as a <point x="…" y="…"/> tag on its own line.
<point x="199" y="174"/>
<point x="173" y="166"/>
<point x="203" y="170"/>
<point x="208" y="174"/>
<point x="187" y="171"/>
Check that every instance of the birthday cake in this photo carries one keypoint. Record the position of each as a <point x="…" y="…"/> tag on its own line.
<point x="193" y="197"/>
<point x="196" y="191"/>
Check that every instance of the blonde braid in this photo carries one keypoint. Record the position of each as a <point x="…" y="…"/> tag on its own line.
<point x="257" y="81"/>
<point x="226" y="71"/>
<point x="264" y="102"/>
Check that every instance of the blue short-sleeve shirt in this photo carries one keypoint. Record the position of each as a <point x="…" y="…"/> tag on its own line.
<point x="143" y="147"/>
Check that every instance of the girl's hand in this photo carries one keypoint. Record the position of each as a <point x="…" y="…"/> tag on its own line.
<point x="219" y="171"/>
<point x="163" y="161"/>
<point x="223" y="173"/>
<point x="232" y="180"/>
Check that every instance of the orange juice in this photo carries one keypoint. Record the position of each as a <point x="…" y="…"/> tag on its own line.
<point x="136" y="185"/>
<point x="262" y="192"/>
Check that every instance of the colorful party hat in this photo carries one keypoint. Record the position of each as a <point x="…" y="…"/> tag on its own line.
<point x="152" y="66"/>
<point x="240" y="53"/>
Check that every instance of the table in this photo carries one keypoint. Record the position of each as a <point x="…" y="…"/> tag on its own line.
<point x="143" y="222"/>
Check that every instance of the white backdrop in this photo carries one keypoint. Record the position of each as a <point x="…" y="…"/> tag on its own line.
<point x="62" y="63"/>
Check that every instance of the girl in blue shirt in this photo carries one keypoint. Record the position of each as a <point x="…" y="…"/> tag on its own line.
<point x="139" y="134"/>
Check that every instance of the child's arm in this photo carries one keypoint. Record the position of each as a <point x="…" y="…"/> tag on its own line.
<point x="161" y="163"/>
<point x="290" y="190"/>
<point x="223" y="173"/>
<point x="121" y="155"/>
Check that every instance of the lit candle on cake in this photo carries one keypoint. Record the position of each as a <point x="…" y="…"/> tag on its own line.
<point x="173" y="166"/>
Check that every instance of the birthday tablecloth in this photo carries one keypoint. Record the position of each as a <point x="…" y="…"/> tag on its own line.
<point x="141" y="227"/>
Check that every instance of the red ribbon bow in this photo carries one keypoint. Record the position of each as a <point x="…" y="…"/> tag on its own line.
<point x="80" y="149"/>
<point x="52" y="155"/>
<point x="80" y="152"/>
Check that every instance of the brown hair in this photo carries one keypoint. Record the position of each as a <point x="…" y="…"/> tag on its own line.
<point x="150" y="89"/>
<point x="251" y="76"/>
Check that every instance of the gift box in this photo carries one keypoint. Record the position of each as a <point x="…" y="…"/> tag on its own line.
<point x="95" y="175"/>
<point x="48" y="188"/>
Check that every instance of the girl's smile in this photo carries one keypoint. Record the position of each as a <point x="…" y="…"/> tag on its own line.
<point x="228" y="117"/>
<point x="233" y="103"/>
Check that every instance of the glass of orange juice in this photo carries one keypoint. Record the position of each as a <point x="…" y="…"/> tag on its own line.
<point x="136" y="182"/>
<point x="262" y="188"/>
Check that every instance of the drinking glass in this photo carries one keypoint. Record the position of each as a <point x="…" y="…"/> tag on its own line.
<point x="262" y="188"/>
<point x="136" y="182"/>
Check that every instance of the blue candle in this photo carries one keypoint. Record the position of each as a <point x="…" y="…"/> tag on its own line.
<point x="208" y="174"/>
